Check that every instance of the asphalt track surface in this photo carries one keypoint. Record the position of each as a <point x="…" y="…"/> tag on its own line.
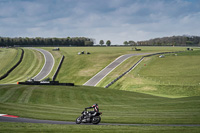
<point x="48" y="66"/>
<point x="103" y="73"/>
<point x="27" y="120"/>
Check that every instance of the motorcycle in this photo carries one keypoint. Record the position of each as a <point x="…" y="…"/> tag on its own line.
<point x="87" y="117"/>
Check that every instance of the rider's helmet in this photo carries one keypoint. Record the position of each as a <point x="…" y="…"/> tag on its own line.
<point x="95" y="105"/>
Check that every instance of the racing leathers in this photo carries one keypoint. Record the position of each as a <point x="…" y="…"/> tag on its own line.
<point x="94" y="112"/>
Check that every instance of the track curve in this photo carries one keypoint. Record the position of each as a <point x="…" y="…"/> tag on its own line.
<point x="104" y="72"/>
<point x="48" y="66"/>
<point x="27" y="120"/>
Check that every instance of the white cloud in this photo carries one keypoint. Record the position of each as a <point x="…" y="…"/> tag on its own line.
<point x="115" y="20"/>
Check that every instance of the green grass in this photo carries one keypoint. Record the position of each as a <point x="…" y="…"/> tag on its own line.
<point x="29" y="67"/>
<point x="30" y="127"/>
<point x="79" y="69"/>
<point x="172" y="76"/>
<point x="8" y="58"/>
<point x="123" y="102"/>
<point x="66" y="103"/>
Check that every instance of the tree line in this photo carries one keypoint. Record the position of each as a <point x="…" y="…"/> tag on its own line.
<point x="172" y="41"/>
<point x="167" y="41"/>
<point x="39" y="41"/>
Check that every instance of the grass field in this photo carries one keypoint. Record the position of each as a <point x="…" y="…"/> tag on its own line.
<point x="8" y="58"/>
<point x="79" y="69"/>
<point x="66" y="103"/>
<point x="30" y="127"/>
<point x="173" y="79"/>
<point x="29" y="67"/>
<point x="172" y="76"/>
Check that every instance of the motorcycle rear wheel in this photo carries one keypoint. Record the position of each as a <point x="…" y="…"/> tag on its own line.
<point x="96" y="120"/>
<point x="78" y="120"/>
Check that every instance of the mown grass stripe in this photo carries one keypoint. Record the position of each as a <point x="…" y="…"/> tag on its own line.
<point x="30" y="64"/>
<point x="13" y="67"/>
<point x="24" y="98"/>
<point x="19" y="72"/>
<point x="37" y="109"/>
<point x="8" y="57"/>
<point x="41" y="106"/>
<point x="31" y="69"/>
<point x="9" y="93"/>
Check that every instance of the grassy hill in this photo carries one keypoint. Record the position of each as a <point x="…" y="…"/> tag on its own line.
<point x="66" y="103"/>
<point x="80" y="68"/>
<point x="172" y="76"/>
<point x="8" y="58"/>
<point x="29" y="67"/>
<point x="123" y="102"/>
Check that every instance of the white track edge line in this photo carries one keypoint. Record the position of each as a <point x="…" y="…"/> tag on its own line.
<point x="102" y="69"/>
<point x="2" y="114"/>
<point x="112" y="70"/>
<point x="51" y="66"/>
<point x="44" y="63"/>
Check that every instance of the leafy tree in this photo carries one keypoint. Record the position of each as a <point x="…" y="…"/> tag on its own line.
<point x="125" y="43"/>
<point x="88" y="43"/>
<point x="108" y="43"/>
<point x="101" y="42"/>
<point x="132" y="43"/>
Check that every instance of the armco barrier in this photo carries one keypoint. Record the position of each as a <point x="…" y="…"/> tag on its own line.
<point x="9" y="71"/>
<point x="59" y="66"/>
<point x="136" y="65"/>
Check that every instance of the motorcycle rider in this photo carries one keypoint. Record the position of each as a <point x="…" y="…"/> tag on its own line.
<point x="96" y="110"/>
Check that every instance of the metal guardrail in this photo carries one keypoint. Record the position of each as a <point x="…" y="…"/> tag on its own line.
<point x="59" y="66"/>
<point x="136" y="65"/>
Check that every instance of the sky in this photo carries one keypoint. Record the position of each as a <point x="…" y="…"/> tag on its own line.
<point x="114" y="20"/>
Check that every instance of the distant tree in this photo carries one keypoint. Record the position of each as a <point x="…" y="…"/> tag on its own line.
<point x="125" y="43"/>
<point x="108" y="43"/>
<point x="132" y="43"/>
<point x="88" y="43"/>
<point x="101" y="42"/>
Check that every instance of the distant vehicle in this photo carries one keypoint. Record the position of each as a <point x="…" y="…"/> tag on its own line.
<point x="161" y="56"/>
<point x="137" y="49"/>
<point x="56" y="49"/>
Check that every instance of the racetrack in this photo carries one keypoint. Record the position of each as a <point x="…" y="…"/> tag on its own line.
<point x="48" y="66"/>
<point x="103" y="73"/>
<point x="27" y="120"/>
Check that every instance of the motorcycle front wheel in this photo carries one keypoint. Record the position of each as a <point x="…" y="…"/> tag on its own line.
<point x="78" y="120"/>
<point x="96" y="120"/>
